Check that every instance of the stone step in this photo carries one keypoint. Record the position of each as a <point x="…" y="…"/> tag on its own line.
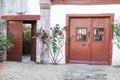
<point x="85" y="74"/>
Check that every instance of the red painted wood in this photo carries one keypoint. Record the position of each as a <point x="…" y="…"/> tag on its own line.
<point x="100" y="49"/>
<point x="67" y="37"/>
<point x="33" y="41"/>
<point x="21" y="17"/>
<point x="98" y="52"/>
<point x="16" y="53"/>
<point x="85" y="2"/>
<point x="89" y="62"/>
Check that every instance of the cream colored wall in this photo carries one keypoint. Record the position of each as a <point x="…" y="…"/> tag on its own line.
<point x="58" y="16"/>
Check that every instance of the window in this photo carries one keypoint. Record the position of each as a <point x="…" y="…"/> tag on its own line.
<point x="81" y="34"/>
<point x="98" y="34"/>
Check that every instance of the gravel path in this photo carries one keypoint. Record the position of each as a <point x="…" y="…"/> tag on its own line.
<point x="33" y="71"/>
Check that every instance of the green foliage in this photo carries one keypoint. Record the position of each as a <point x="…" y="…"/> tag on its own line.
<point x="42" y="34"/>
<point x="5" y="42"/>
<point x="27" y="34"/>
<point x="117" y="33"/>
<point x="3" y="24"/>
<point x="26" y="40"/>
<point x="57" y="36"/>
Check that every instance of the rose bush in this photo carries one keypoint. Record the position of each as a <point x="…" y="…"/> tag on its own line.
<point x="54" y="40"/>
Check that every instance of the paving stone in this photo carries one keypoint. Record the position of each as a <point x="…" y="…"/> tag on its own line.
<point x="86" y="74"/>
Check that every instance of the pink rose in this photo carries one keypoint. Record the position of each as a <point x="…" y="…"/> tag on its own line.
<point x="44" y="41"/>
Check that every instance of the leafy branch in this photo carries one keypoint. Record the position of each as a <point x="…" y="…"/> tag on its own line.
<point x="117" y="33"/>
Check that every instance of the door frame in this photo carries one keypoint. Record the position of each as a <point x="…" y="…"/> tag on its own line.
<point x="69" y="16"/>
<point x="26" y="19"/>
<point x="33" y="40"/>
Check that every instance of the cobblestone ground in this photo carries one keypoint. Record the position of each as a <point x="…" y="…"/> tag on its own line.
<point x="33" y="71"/>
<point x="92" y="72"/>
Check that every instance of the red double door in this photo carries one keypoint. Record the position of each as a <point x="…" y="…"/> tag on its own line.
<point x="90" y="40"/>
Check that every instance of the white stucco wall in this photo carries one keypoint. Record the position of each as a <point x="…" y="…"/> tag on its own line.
<point x="58" y="16"/>
<point x="33" y="7"/>
<point x="12" y="7"/>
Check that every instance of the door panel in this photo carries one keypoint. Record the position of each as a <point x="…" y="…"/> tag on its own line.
<point x="100" y="48"/>
<point x="79" y="50"/>
<point x="15" y="54"/>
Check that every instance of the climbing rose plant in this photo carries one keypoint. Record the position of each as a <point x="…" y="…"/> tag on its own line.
<point x="54" y="40"/>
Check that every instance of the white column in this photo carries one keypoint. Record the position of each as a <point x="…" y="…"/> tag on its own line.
<point x="45" y="24"/>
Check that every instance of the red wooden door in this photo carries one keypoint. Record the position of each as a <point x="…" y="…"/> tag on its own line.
<point x="90" y="43"/>
<point x="15" y="27"/>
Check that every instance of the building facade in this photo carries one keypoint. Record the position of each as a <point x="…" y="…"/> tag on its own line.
<point x="85" y="19"/>
<point x="89" y="22"/>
